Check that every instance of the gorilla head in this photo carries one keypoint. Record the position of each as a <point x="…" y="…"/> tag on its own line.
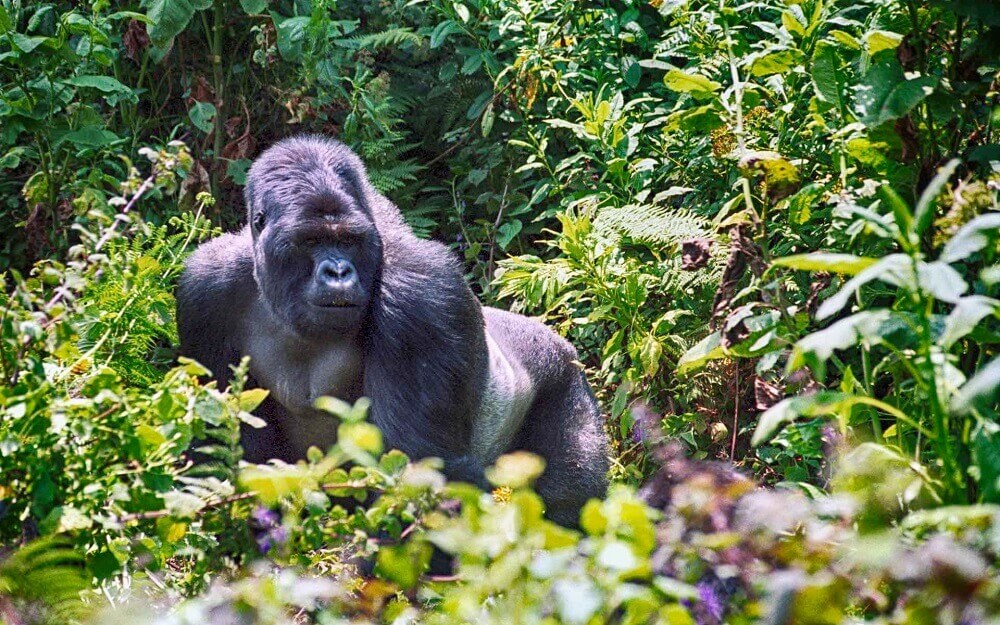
<point x="317" y="254"/>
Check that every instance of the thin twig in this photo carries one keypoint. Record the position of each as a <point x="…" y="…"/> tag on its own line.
<point x="157" y="514"/>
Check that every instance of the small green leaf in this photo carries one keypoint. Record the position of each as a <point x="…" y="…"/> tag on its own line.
<point x="900" y="210"/>
<point x="272" y="482"/>
<point x="150" y="435"/>
<point x="250" y="399"/>
<point x="517" y="469"/>
<point x="202" y="115"/>
<point x="507" y="231"/>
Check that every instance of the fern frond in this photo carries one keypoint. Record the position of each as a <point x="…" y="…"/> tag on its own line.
<point x="657" y="226"/>
<point x="391" y="38"/>
<point x="48" y="574"/>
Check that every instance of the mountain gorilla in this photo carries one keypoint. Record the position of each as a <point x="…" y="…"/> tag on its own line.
<point x="330" y="293"/>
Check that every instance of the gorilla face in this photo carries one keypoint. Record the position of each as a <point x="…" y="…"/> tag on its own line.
<point x="317" y="253"/>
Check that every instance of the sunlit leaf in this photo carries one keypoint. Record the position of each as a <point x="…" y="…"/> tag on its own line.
<point x="827" y="261"/>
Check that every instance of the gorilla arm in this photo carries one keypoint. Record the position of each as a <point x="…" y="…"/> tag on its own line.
<point x="212" y="299"/>
<point x="426" y="356"/>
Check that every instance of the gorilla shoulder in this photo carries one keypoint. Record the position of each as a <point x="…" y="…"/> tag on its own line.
<point x="213" y="294"/>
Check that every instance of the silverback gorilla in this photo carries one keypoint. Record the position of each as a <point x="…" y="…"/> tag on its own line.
<point x="330" y="293"/>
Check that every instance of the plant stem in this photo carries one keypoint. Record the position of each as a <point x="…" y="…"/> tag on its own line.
<point x="218" y="23"/>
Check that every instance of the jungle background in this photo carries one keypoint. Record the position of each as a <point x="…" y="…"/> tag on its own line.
<point x="769" y="227"/>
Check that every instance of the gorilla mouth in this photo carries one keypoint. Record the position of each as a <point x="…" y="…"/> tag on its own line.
<point x="340" y="304"/>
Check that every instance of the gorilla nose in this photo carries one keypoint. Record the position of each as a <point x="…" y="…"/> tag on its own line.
<point x="336" y="273"/>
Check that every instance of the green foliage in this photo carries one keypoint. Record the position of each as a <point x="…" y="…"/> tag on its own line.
<point x="769" y="228"/>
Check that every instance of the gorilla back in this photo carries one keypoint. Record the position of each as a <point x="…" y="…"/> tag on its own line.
<point x="330" y="293"/>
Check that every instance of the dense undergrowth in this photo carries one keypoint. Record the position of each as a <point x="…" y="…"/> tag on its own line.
<point x="769" y="227"/>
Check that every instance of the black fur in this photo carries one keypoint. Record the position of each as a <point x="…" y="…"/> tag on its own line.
<point x="415" y="343"/>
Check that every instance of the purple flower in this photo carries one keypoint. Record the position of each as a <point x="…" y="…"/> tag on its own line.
<point x="264" y="516"/>
<point x="710" y="600"/>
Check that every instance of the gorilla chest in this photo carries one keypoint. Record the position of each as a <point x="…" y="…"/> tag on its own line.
<point x="297" y="372"/>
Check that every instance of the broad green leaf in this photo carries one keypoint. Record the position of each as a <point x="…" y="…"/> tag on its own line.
<point x="709" y="348"/>
<point x="885" y="94"/>
<point x="90" y="137"/>
<point x="649" y="355"/>
<point x="688" y="82"/>
<point x="778" y="62"/>
<point x="941" y="281"/>
<point x="826" y="75"/>
<point x="846" y="39"/>
<point x="291" y="36"/>
<point x="150" y="435"/>
<point x="792" y="24"/>
<point x="980" y="390"/>
<point x="403" y="564"/>
<point x="800" y="205"/>
<point x="986" y="444"/>
<point x="442" y="31"/>
<point x="827" y="261"/>
<point x="253" y="7"/>
<point x="971" y="238"/>
<point x="842" y="334"/>
<point x="507" y="231"/>
<point x="791" y="409"/>
<point x="5" y="23"/>
<point x="896" y="269"/>
<point x="823" y="403"/>
<point x="924" y="213"/>
<point x="879" y="40"/>
<point x="170" y="17"/>
<point x="107" y="84"/>
<point x="28" y="44"/>
<point x="966" y="315"/>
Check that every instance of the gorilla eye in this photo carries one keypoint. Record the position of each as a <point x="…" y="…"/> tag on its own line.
<point x="259" y="220"/>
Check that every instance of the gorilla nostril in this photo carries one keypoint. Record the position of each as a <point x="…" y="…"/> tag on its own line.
<point x="337" y="270"/>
